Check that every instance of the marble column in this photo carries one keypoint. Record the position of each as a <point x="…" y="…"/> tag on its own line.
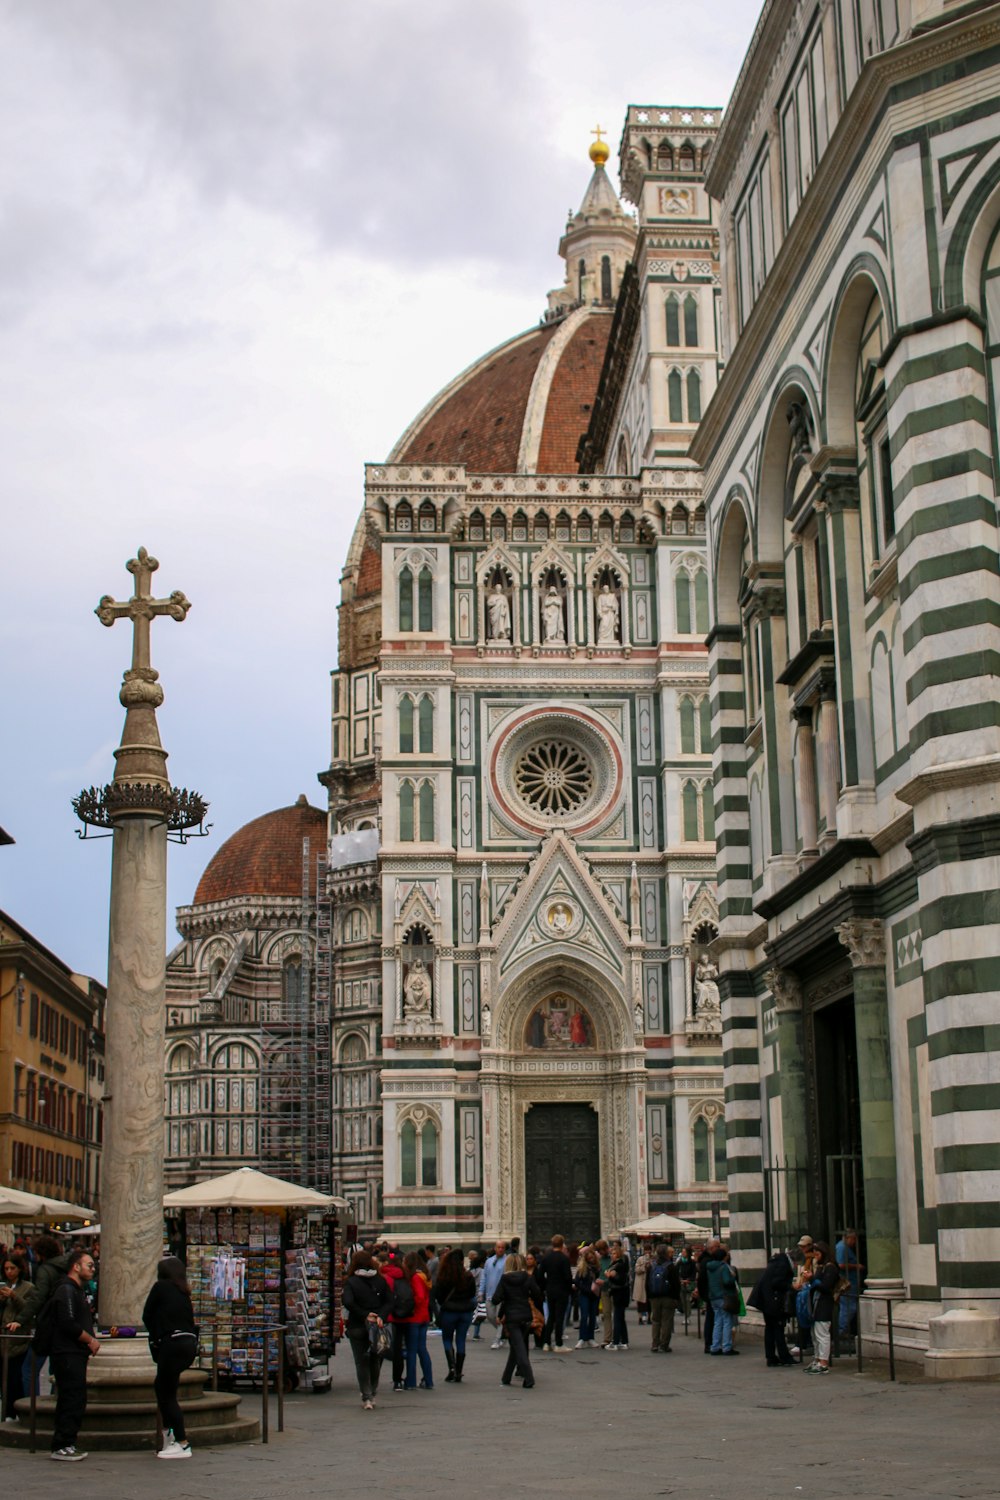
<point x="829" y="760"/>
<point x="864" y="940"/>
<point x="787" y="992"/>
<point x="806" y="781"/>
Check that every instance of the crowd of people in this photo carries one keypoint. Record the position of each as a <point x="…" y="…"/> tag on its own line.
<point x="533" y="1301"/>
<point x="48" y="1302"/>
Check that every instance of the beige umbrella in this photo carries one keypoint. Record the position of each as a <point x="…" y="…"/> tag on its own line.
<point x="663" y="1224"/>
<point x="17" y="1207"/>
<point x="248" y="1188"/>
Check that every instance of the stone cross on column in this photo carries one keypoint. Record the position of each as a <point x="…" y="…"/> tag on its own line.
<point x="140" y="756"/>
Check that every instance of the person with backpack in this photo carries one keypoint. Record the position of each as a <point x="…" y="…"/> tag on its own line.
<point x="401" y="1307"/>
<point x="770" y="1297"/>
<point x="168" y="1317"/>
<point x="416" y="1325"/>
<point x="66" y="1326"/>
<point x="367" y="1299"/>
<point x="663" y="1293"/>
<point x="51" y="1265"/>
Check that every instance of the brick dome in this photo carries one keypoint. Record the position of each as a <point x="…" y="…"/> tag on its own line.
<point x="522" y="408"/>
<point x="264" y="858"/>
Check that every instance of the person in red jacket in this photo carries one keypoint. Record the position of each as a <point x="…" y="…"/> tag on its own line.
<point x="391" y="1266"/>
<point x="415" y="1326"/>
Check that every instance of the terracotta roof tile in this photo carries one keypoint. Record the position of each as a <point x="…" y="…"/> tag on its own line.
<point x="571" y="397"/>
<point x="264" y="857"/>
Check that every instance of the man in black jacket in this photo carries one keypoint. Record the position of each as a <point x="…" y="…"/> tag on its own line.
<point x="73" y="1343"/>
<point x="663" y="1293"/>
<point x="711" y="1249"/>
<point x="554" y="1275"/>
<point x="769" y="1297"/>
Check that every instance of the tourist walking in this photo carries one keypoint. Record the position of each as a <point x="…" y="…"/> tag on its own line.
<point x="73" y="1343"/>
<point x="455" y="1298"/>
<point x="367" y="1299"/>
<point x="15" y="1288"/>
<point x="476" y="1262"/>
<point x="168" y="1317"/>
<point x="607" y="1315"/>
<point x="701" y="1288"/>
<point x="770" y="1297"/>
<point x="723" y="1293"/>
<point x="663" y="1289"/>
<point x="416" y="1325"/>
<point x="588" y="1271"/>
<point x="555" y="1280"/>
<point x="515" y="1297"/>
<point x="402" y="1305"/>
<point x="492" y="1272"/>
<point x="616" y="1281"/>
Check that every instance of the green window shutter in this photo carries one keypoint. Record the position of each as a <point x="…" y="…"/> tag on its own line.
<point x="426" y="813"/>
<point x="689" y="804"/>
<point x="673" y="323"/>
<point x="406" y="726"/>
<point x="708" y="810"/>
<point x="425" y="600"/>
<point x="701" y="602"/>
<point x="687" y="727"/>
<point x="426" y="716"/>
<point x="694" y="396"/>
<point x="408" y="1154"/>
<point x="406" y="600"/>
<point x="691" y="322"/>
<point x="682" y="596"/>
<point x="406" y="813"/>
<point x="705" y="724"/>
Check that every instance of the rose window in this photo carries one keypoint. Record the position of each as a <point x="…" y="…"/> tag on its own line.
<point x="553" y="777"/>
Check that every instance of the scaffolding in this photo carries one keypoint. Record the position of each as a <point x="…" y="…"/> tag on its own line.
<point x="296" y="1122"/>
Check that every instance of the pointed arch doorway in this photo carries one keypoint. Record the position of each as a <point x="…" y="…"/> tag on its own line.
<point x="562" y="1173"/>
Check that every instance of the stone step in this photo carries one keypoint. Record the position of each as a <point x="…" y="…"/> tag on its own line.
<point x="212" y="1418"/>
<point x="213" y="1434"/>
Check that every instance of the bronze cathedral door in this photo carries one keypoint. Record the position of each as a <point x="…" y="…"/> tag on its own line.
<point x="561" y="1173"/>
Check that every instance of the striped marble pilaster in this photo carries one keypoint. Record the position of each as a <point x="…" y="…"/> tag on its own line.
<point x="742" y="1092"/>
<point x="732" y="815"/>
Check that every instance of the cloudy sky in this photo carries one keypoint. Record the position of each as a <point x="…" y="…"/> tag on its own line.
<point x="241" y="243"/>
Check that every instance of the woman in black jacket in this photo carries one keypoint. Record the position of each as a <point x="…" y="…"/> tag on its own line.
<point x="367" y="1300"/>
<point x="769" y="1297"/>
<point x="455" y="1296"/>
<point x="513" y="1300"/>
<point x="173" y="1343"/>
<point x="822" y="1288"/>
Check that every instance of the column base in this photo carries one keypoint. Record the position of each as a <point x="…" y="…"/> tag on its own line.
<point x="121" y="1406"/>
<point x="963" y="1345"/>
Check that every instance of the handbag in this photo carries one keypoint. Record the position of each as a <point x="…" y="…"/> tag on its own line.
<point x="379" y="1339"/>
<point x="480" y="1314"/>
<point x="731" y="1301"/>
<point x="537" y="1319"/>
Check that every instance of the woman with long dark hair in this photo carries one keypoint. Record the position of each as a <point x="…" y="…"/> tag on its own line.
<point x="173" y="1343"/>
<point x="588" y="1270"/>
<point x="455" y="1296"/>
<point x="367" y="1300"/>
<point x="15" y="1287"/>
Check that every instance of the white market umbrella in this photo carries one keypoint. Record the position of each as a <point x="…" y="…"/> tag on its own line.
<point x="17" y="1207"/>
<point x="663" y="1224"/>
<point x="248" y="1188"/>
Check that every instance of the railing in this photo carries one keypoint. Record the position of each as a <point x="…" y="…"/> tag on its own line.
<point x="35" y="1366"/>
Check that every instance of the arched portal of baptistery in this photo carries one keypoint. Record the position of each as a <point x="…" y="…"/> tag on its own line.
<point x="564" y="1044"/>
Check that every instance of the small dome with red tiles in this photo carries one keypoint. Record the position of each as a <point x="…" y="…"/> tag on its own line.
<point x="264" y="857"/>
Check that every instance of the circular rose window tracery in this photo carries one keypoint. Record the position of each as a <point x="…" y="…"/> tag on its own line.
<point x="553" y="777"/>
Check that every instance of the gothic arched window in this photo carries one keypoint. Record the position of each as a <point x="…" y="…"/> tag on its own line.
<point x="425" y="600"/>
<point x="673" y="323"/>
<point x="702" y="1159"/>
<point x="675" y="396"/>
<point x="425" y="715"/>
<point x="405" y="599"/>
<point x="694" y="396"/>
<point x="688" y="746"/>
<point x="405" y="726"/>
<point x="406" y="813"/>
<point x="426" y="808"/>
<point x="408" y="1154"/>
<point x="691" y="321"/>
<point x="689" y="804"/>
<point x="705" y="724"/>
<point x="701" y="602"/>
<point x="605" y="278"/>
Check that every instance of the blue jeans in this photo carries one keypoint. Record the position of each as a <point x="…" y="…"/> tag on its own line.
<point x="588" y="1316"/>
<point x="416" y="1348"/>
<point x="453" y="1326"/>
<point x="722" y="1330"/>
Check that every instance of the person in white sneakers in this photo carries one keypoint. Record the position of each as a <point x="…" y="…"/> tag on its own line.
<point x="73" y="1343"/>
<point x="173" y="1343"/>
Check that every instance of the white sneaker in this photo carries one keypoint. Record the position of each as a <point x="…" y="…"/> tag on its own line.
<point x="580" y="1344"/>
<point x="497" y="1345"/>
<point x="546" y="1348"/>
<point x="611" y="1348"/>
<point x="561" y="1349"/>
<point x="175" y="1450"/>
<point x="67" y="1455"/>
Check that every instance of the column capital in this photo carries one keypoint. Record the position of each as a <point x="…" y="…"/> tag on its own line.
<point x="786" y="989"/>
<point x="864" y="939"/>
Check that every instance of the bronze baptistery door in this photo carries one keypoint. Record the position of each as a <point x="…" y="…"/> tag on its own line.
<point x="562" y="1173"/>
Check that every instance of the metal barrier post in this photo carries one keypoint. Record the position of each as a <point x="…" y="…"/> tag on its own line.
<point x="6" y="1366"/>
<point x="34" y="1402"/>
<point x="892" y="1351"/>
<point x="281" y="1379"/>
<point x="265" y="1394"/>
<point x="215" y="1356"/>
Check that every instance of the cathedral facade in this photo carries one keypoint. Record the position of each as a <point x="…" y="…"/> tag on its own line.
<point x="521" y="710"/>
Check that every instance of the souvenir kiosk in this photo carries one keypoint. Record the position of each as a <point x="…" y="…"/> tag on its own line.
<point x="261" y="1252"/>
